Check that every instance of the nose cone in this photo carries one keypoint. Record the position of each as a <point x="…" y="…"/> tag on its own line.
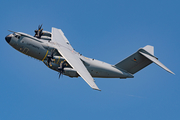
<point x="8" y="38"/>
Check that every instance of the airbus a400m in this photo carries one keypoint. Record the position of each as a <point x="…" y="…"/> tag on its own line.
<point x="56" y="52"/>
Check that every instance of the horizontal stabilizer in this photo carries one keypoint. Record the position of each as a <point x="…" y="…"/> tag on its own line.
<point x="153" y="59"/>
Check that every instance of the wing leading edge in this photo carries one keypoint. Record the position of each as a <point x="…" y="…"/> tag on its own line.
<point x="66" y="50"/>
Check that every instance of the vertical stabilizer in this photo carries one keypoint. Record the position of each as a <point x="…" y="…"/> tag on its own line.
<point x="149" y="49"/>
<point x="136" y="61"/>
<point x="139" y="60"/>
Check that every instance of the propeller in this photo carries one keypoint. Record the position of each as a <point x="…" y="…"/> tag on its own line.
<point x="38" y="33"/>
<point x="63" y="64"/>
<point x="39" y="27"/>
<point x="50" y="58"/>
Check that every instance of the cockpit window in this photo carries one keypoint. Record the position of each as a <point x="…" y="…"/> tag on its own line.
<point x="17" y="36"/>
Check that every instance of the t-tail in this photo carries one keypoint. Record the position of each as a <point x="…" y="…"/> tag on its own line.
<point x="139" y="60"/>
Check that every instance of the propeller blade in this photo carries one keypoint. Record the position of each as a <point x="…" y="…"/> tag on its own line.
<point x="59" y="75"/>
<point x="39" y="27"/>
<point x="63" y="64"/>
<point x="12" y="31"/>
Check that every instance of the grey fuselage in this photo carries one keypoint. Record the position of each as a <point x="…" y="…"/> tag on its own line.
<point x="41" y="48"/>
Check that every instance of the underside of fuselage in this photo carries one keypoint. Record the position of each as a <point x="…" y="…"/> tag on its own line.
<point x="96" y="68"/>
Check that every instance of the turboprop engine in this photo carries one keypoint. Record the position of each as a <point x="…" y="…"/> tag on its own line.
<point x="59" y="64"/>
<point x="53" y="62"/>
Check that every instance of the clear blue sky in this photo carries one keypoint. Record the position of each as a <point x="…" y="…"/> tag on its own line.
<point x="105" y="30"/>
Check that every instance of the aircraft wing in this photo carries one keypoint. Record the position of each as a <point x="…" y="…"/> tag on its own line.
<point x="65" y="49"/>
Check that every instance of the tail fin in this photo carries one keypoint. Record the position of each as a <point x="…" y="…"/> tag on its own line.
<point x="139" y="60"/>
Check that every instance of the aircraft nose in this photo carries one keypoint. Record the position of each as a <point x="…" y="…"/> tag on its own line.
<point x="8" y="38"/>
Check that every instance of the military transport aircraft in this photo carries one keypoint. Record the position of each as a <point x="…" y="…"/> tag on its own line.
<point x="55" y="51"/>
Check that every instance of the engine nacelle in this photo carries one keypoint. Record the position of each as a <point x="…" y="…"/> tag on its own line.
<point x="67" y="71"/>
<point x="46" y="35"/>
<point x="54" y="64"/>
<point x="70" y="72"/>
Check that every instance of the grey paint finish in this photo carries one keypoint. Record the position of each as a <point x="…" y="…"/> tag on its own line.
<point x="79" y="65"/>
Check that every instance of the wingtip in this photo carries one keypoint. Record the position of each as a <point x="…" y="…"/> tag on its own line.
<point x="172" y="72"/>
<point x="96" y="89"/>
<point x="168" y="70"/>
